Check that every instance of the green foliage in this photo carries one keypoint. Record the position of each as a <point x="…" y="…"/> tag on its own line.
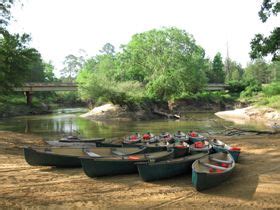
<point x="157" y="57"/>
<point x="72" y="64"/>
<point x="208" y="97"/>
<point x="217" y="74"/>
<point x="252" y="89"/>
<point x="272" y="89"/>
<point x="233" y="70"/>
<point x="263" y="46"/>
<point x="96" y="85"/>
<point x="49" y="72"/>
<point x="5" y="12"/>
<point x="18" y="62"/>
<point x="269" y="7"/>
<point x="257" y="70"/>
<point x="236" y="86"/>
<point x="154" y="65"/>
<point x="274" y="71"/>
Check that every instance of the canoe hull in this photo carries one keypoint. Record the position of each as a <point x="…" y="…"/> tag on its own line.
<point x="71" y="144"/>
<point x="212" y="170"/>
<point x="235" y="154"/>
<point x="165" y="169"/>
<point x="95" y="168"/>
<point x="202" y="181"/>
<point x="196" y="139"/>
<point x="106" y="167"/>
<point x="35" y="158"/>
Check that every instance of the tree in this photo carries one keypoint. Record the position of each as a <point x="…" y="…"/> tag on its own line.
<point x="108" y="49"/>
<point x="274" y="69"/>
<point x="216" y="74"/>
<point x="233" y="70"/>
<point x="258" y="71"/>
<point x="261" y="45"/>
<point x="158" y="58"/>
<point x="72" y="64"/>
<point x="17" y="60"/>
<point x="5" y="12"/>
<point x="49" y="72"/>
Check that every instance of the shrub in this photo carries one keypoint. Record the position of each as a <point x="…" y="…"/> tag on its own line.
<point x="272" y="89"/>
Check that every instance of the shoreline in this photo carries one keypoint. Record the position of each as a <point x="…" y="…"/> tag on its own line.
<point x="252" y="186"/>
<point x="268" y="116"/>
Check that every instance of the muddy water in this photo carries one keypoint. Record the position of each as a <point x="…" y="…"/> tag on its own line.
<point x="67" y="121"/>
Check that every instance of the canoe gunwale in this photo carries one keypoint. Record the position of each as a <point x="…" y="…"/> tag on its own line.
<point x="174" y="161"/>
<point x="225" y="170"/>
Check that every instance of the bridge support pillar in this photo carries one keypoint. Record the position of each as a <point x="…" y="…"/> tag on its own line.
<point x="28" y="95"/>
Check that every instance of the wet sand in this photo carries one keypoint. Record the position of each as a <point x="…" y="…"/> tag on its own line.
<point x="254" y="185"/>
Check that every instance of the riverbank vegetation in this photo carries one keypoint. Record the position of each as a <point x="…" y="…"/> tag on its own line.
<point x="156" y="67"/>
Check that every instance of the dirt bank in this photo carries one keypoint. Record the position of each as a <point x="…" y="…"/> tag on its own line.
<point x="173" y="110"/>
<point x="255" y="184"/>
<point x="110" y="112"/>
<point x="268" y="116"/>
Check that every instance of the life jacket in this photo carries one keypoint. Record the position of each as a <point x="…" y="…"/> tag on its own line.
<point x="225" y="165"/>
<point x="198" y="144"/>
<point x="131" y="157"/>
<point x="193" y="134"/>
<point x="133" y="137"/>
<point x="146" y="136"/>
<point x="234" y="149"/>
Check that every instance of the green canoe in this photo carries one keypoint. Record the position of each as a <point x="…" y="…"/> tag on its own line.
<point x="149" y="171"/>
<point x="201" y="146"/>
<point x="69" y="157"/>
<point x="94" y="167"/>
<point x="220" y="146"/>
<point x="212" y="170"/>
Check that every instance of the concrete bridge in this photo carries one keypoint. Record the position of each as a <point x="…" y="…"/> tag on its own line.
<point x="29" y="88"/>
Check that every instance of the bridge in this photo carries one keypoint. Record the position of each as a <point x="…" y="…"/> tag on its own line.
<point x="29" y="88"/>
<point x="216" y="86"/>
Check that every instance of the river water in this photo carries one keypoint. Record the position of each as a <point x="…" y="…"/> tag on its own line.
<point x="67" y="121"/>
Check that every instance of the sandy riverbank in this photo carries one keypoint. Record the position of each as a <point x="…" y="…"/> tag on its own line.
<point x="268" y="116"/>
<point x="255" y="184"/>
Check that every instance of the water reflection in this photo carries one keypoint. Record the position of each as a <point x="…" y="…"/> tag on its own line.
<point x="67" y="121"/>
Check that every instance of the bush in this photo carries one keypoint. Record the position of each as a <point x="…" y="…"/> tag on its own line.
<point x="272" y="89"/>
<point x="236" y="86"/>
<point x="251" y="90"/>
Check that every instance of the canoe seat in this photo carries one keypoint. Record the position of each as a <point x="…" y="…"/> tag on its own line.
<point x="116" y="152"/>
<point x="92" y="154"/>
<point x="212" y="166"/>
<point x="221" y="161"/>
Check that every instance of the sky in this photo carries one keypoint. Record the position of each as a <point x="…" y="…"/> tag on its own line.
<point x="62" y="27"/>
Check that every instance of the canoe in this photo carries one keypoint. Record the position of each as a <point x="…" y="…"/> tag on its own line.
<point x="95" y="167"/>
<point x="220" y="146"/>
<point x="180" y="136"/>
<point x="194" y="137"/>
<point x="179" y="150"/>
<point x="165" y="137"/>
<point x="149" y="171"/>
<point x="73" y="141"/>
<point x="201" y="146"/>
<point x="212" y="170"/>
<point x="77" y="139"/>
<point x="105" y="144"/>
<point x="149" y="137"/>
<point x="132" y="139"/>
<point x="69" y="157"/>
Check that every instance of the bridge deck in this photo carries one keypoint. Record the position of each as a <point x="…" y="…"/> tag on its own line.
<point x="35" y="87"/>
